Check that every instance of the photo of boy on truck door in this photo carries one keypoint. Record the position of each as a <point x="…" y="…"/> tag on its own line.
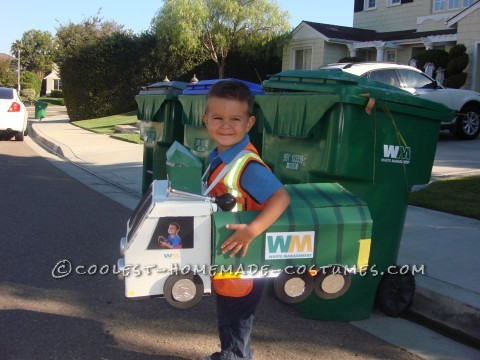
<point x="173" y="240"/>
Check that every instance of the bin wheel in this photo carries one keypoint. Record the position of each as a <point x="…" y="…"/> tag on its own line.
<point x="332" y="282"/>
<point x="183" y="291"/>
<point x="292" y="287"/>
<point x="395" y="293"/>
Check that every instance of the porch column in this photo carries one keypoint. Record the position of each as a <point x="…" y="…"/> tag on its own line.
<point x="352" y="50"/>
<point x="380" y="46"/>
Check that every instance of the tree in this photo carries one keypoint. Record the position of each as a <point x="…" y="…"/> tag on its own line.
<point x="72" y="37"/>
<point x="217" y="26"/>
<point x="8" y="78"/>
<point x="36" y="52"/>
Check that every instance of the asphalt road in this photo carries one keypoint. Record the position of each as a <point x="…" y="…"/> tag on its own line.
<point x="48" y="219"/>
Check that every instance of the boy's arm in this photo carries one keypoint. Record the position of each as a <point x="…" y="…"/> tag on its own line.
<point x="245" y="233"/>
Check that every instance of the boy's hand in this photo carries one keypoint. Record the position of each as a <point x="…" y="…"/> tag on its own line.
<point x="245" y="233"/>
<point x="240" y="239"/>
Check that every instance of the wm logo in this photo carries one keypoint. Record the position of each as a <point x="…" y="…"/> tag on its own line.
<point x="289" y="245"/>
<point x="396" y="152"/>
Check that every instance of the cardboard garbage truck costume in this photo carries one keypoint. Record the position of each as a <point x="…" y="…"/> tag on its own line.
<point x="316" y="246"/>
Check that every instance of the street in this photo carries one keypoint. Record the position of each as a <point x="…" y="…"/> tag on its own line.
<point x="50" y="222"/>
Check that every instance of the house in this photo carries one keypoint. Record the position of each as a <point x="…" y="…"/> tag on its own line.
<point x="51" y="82"/>
<point x="390" y="30"/>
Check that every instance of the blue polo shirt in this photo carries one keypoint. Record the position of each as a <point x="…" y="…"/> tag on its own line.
<point x="256" y="179"/>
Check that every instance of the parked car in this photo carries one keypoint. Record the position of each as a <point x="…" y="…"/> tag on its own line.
<point x="13" y="115"/>
<point x="466" y="103"/>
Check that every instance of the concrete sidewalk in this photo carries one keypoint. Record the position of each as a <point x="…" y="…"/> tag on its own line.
<point x="447" y="246"/>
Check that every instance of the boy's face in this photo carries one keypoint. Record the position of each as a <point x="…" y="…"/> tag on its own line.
<point x="172" y="230"/>
<point x="227" y="121"/>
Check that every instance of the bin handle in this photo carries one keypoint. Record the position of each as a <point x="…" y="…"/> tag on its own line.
<point x="370" y="103"/>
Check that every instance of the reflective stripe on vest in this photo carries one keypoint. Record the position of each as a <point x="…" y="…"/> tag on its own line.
<point x="232" y="179"/>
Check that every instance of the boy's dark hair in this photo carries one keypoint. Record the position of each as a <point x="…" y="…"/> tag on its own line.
<point x="232" y="90"/>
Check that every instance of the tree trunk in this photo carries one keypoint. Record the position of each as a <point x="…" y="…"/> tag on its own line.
<point x="221" y="69"/>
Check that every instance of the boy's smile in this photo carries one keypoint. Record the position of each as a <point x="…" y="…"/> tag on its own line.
<point x="227" y="121"/>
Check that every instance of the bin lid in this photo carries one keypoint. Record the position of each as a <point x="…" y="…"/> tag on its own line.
<point x="193" y="107"/>
<point x="202" y="87"/>
<point x="277" y="112"/>
<point x="164" y="87"/>
<point x="340" y="82"/>
<point x="179" y="156"/>
<point x="351" y="89"/>
<point x="149" y="105"/>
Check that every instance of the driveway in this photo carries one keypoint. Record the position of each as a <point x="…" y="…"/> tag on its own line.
<point x="456" y="158"/>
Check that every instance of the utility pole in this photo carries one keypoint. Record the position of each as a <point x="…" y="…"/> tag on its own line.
<point x="18" y="68"/>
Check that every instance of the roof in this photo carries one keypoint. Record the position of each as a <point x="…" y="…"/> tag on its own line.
<point x="358" y="34"/>
<point x="4" y="57"/>
<point x="462" y="14"/>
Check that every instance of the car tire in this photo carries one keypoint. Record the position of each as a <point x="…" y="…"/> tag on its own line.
<point x="183" y="291"/>
<point x="19" y="136"/>
<point x="395" y="293"/>
<point x="467" y="126"/>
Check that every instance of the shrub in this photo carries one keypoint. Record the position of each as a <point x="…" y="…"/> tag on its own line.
<point x="28" y="94"/>
<point x="438" y="57"/>
<point x="30" y="80"/>
<point x="56" y="94"/>
<point x="455" y="77"/>
<point x="350" y="59"/>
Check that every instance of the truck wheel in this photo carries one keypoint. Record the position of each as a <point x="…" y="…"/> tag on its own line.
<point x="395" y="293"/>
<point x="183" y="291"/>
<point x="332" y="282"/>
<point x="292" y="288"/>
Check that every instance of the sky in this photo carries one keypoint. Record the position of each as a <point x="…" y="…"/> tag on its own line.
<point x="47" y="15"/>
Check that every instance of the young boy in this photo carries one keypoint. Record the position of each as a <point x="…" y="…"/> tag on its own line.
<point x="228" y="118"/>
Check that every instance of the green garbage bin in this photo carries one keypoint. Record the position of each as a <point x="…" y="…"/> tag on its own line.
<point x="193" y="100"/>
<point x="160" y="118"/>
<point x="40" y="109"/>
<point x="373" y="139"/>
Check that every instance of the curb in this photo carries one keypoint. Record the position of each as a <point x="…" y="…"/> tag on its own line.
<point x="57" y="150"/>
<point x="439" y="303"/>
<point x="46" y="144"/>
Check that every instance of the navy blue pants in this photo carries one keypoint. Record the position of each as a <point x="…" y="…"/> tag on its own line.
<point x="235" y="320"/>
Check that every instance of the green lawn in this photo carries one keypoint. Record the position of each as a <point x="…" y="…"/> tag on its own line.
<point x="459" y="196"/>
<point x="106" y="125"/>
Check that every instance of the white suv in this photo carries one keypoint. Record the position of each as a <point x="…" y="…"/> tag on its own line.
<point x="466" y="103"/>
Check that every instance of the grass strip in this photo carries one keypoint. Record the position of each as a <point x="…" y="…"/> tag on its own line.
<point x="106" y="125"/>
<point x="459" y="196"/>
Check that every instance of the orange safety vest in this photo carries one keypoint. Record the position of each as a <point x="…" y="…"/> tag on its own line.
<point x="230" y="284"/>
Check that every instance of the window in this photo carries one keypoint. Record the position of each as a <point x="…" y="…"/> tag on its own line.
<point x="467" y="3"/>
<point x="394" y="2"/>
<point x="391" y="55"/>
<point x="57" y="85"/>
<point x="413" y="79"/>
<point x="388" y="77"/>
<point x="439" y="5"/>
<point x="370" y="4"/>
<point x="453" y="4"/>
<point x="303" y="59"/>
